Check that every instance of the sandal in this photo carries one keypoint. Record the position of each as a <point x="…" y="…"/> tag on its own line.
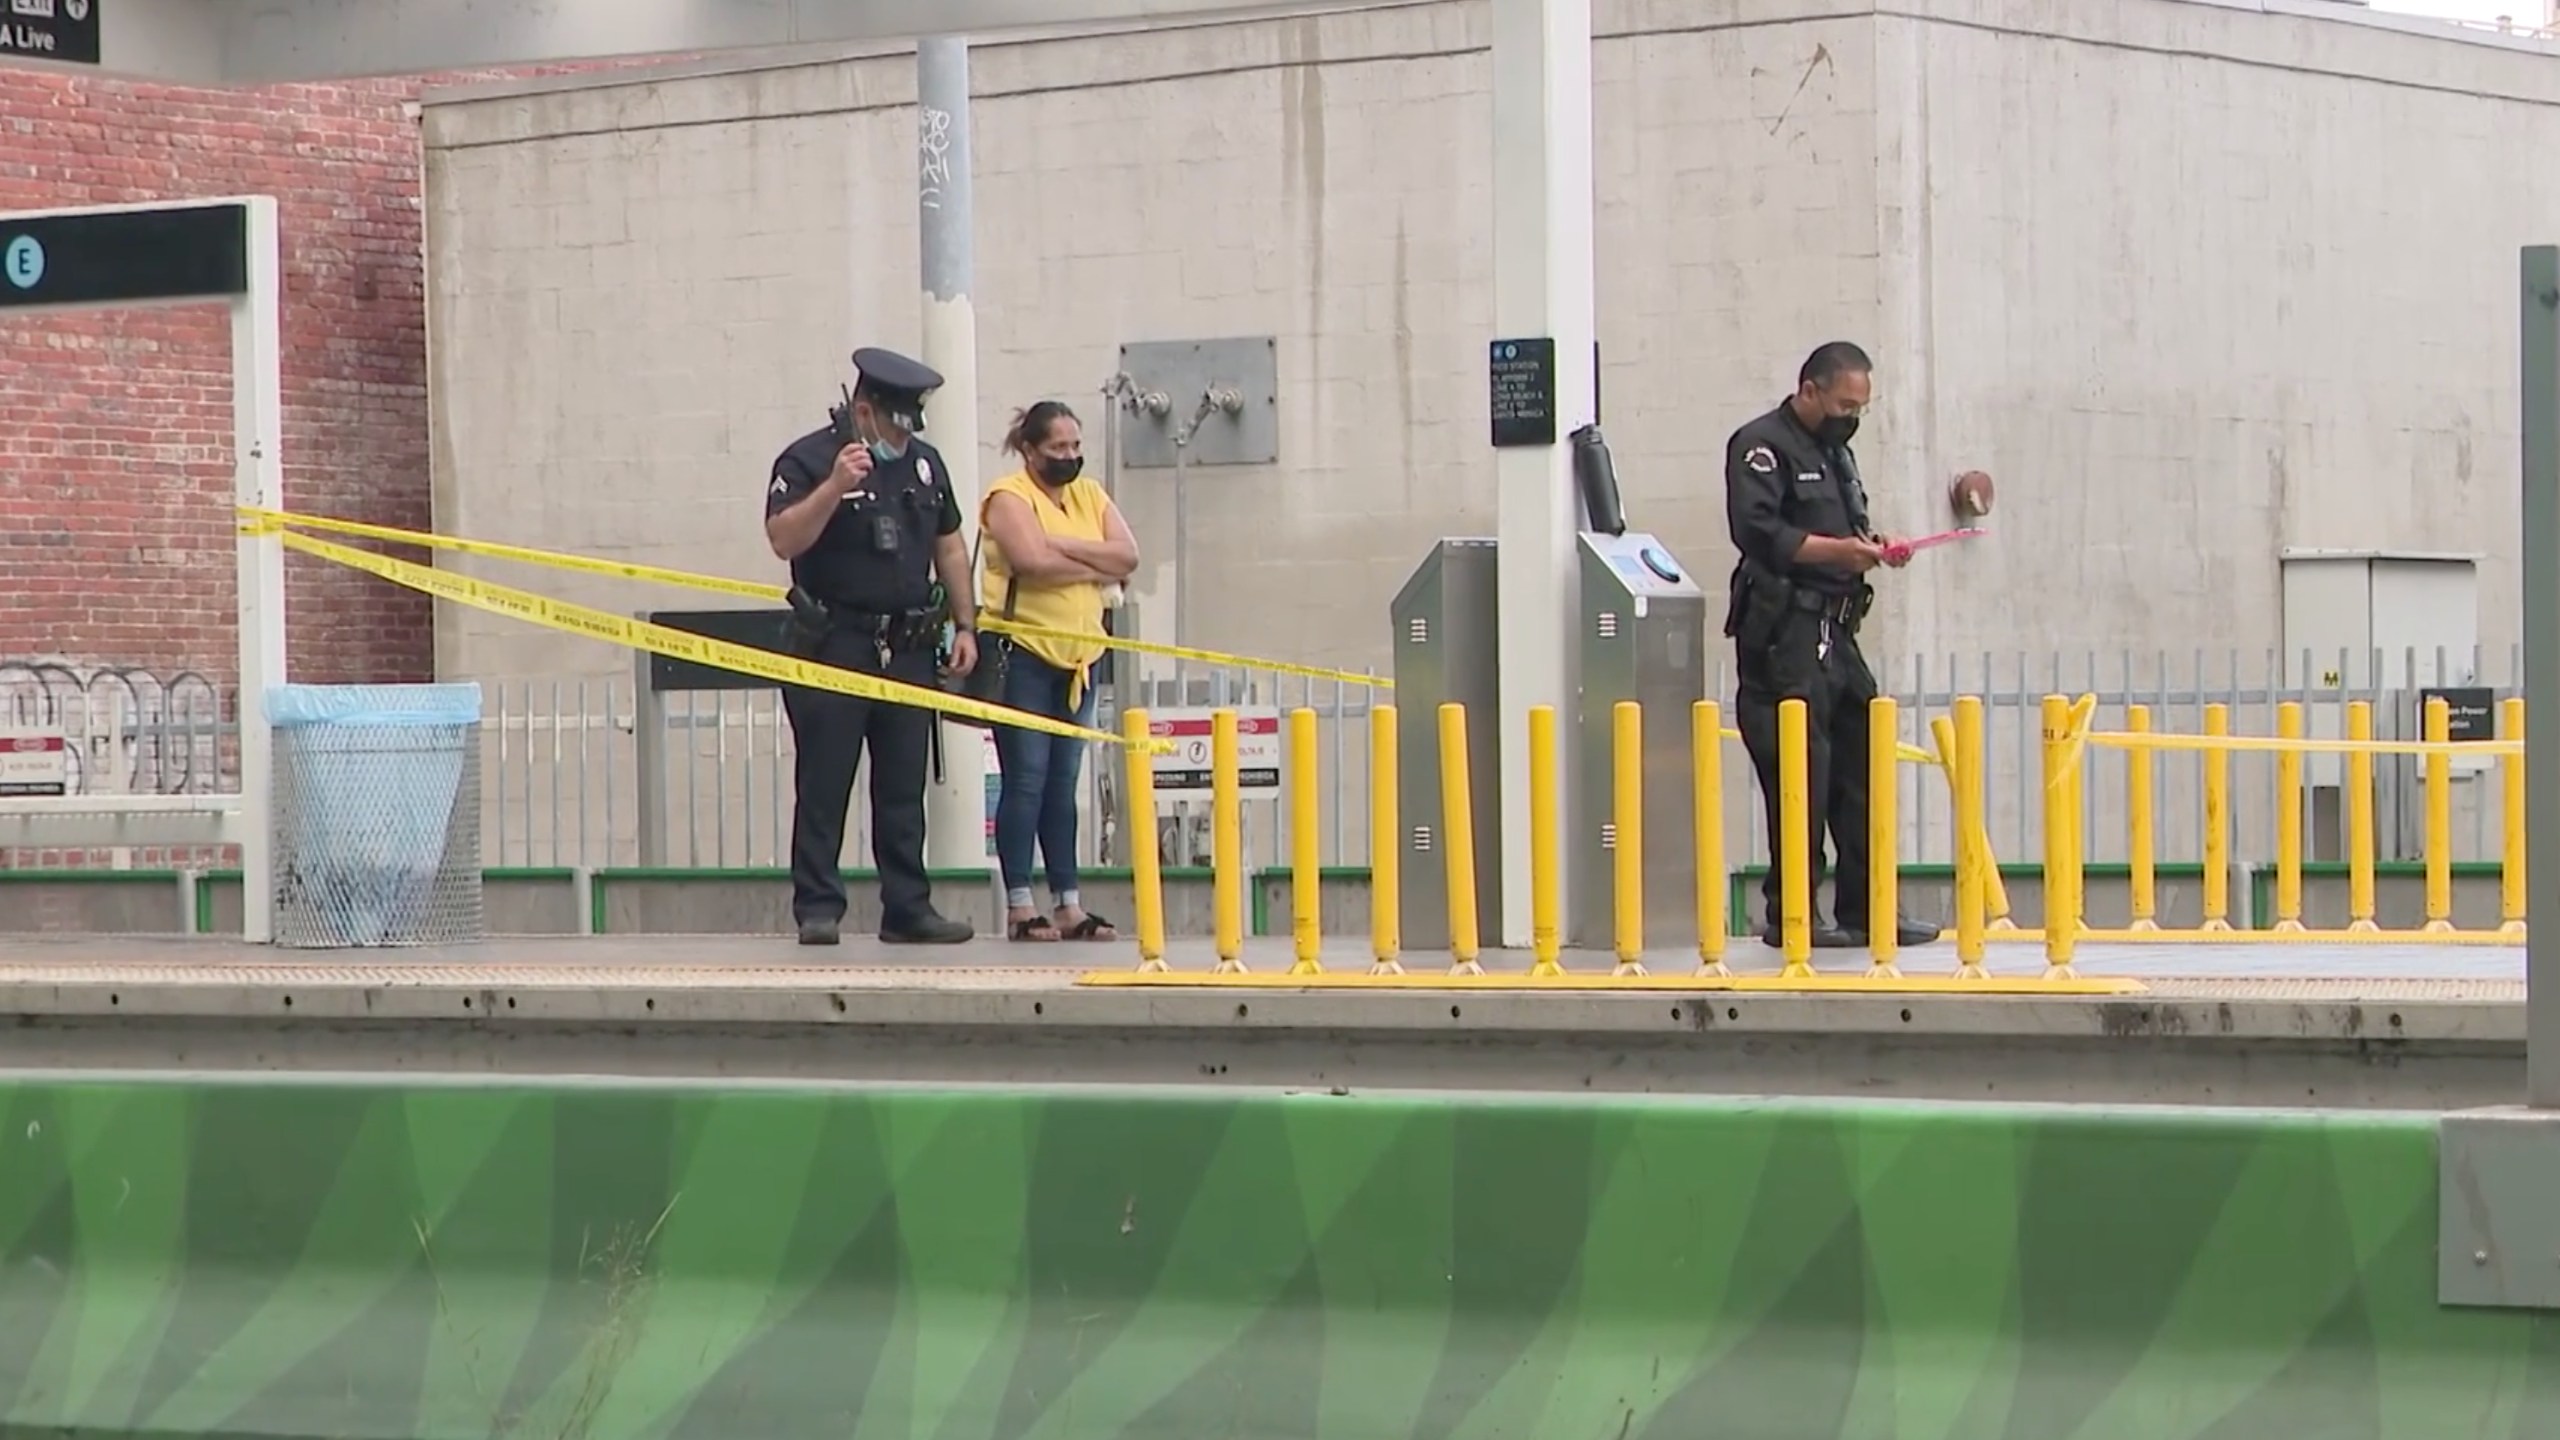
<point x="1038" y="927"/>
<point x="1092" y="927"/>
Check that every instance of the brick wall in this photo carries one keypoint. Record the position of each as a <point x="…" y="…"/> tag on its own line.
<point x="116" y="548"/>
<point x="115" y="429"/>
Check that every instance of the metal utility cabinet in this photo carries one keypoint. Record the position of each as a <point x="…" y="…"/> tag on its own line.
<point x="1448" y="648"/>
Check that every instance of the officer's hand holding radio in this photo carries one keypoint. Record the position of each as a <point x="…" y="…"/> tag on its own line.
<point x="853" y="466"/>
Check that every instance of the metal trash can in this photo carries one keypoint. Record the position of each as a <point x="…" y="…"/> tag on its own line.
<point x="376" y="815"/>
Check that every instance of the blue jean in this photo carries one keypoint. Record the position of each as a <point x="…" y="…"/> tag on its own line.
<point x="1038" y="798"/>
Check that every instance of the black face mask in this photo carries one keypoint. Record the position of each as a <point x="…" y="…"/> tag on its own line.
<point x="1054" y="471"/>
<point x="1836" y="429"/>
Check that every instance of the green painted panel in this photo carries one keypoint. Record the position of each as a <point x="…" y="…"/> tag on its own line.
<point x="344" y="1261"/>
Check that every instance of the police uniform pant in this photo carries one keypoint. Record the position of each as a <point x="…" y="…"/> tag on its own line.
<point x="830" y="731"/>
<point x="1835" y="688"/>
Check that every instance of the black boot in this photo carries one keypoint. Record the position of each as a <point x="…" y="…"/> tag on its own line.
<point x="927" y="928"/>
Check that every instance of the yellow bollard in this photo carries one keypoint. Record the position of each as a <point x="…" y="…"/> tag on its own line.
<point x="1795" y="845"/>
<point x="2439" y="819"/>
<point x="2061" y="916"/>
<point x="1146" y="862"/>
<point x="2141" y="841"/>
<point x="1306" y="858"/>
<point x="1963" y="750"/>
<point x="1884" y="833"/>
<point x="2360" y="821"/>
<point x="1706" y="816"/>
<point x="1995" y="891"/>
<point x="1226" y="842"/>
<point x="1386" y="847"/>
<point x="1458" y="820"/>
<point x="2511" y="916"/>
<point x="1626" y="818"/>
<point x="2217" y="822"/>
<point x="2289" y="821"/>
<point x="1546" y="847"/>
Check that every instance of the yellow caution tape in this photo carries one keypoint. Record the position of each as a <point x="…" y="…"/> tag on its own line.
<point x="268" y="521"/>
<point x="2159" y="740"/>
<point x="681" y="645"/>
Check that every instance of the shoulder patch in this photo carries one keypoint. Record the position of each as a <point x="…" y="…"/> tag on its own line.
<point x="924" y="470"/>
<point x="1762" y="460"/>
<point x="780" y="485"/>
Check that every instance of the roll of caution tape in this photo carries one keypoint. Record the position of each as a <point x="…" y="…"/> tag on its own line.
<point x="275" y="520"/>
<point x="681" y="645"/>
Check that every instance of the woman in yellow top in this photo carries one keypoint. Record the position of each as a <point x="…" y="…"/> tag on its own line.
<point x="1053" y="543"/>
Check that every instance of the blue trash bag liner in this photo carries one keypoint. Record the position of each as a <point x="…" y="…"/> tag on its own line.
<point x="290" y="707"/>
<point x="374" y="773"/>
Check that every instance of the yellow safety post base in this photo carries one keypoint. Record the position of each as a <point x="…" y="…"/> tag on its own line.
<point x="1229" y="967"/>
<point x="1714" y="970"/>
<point x="2513" y="929"/>
<point x="2359" y="927"/>
<point x="2000" y="922"/>
<point x="1796" y="970"/>
<point x="1307" y="967"/>
<point x="1155" y="966"/>
<point x="2063" y="971"/>
<point x="2145" y="925"/>
<point x="1544" y="970"/>
<point x="2436" y="927"/>
<point x="1884" y="970"/>
<point x="1972" y="970"/>
<point x="1628" y="968"/>
<point x="1387" y="967"/>
<point x="2288" y="927"/>
<point x="2216" y="926"/>
<point x="1467" y="967"/>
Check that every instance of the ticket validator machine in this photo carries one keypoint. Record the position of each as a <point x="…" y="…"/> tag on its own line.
<point x="1642" y="626"/>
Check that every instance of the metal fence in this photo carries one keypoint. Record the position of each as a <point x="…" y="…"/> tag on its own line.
<point x="131" y="731"/>
<point x="575" y="778"/>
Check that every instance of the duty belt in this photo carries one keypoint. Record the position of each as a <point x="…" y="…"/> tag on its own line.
<point x="904" y="630"/>
<point x="1844" y="610"/>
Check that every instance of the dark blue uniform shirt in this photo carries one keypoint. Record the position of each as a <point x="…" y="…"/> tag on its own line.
<point x="857" y="564"/>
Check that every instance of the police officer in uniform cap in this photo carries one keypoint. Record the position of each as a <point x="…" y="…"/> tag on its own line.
<point x="863" y="510"/>
<point x="1798" y="515"/>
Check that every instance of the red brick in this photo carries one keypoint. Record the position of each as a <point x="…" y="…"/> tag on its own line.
<point x="115" y="433"/>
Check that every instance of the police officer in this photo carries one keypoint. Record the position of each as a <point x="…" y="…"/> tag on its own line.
<point x="864" y="512"/>
<point x="1798" y="514"/>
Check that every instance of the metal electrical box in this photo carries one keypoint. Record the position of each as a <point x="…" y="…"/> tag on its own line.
<point x="1448" y="649"/>
<point x="1643" y="624"/>
<point x="2383" y="626"/>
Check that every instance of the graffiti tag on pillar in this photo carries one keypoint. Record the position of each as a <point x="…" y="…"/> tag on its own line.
<point x="933" y="155"/>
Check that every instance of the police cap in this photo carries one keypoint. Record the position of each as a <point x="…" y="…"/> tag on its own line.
<point x="896" y="383"/>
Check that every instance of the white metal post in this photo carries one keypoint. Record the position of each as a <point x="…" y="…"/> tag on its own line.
<point x="1542" y="286"/>
<point x="955" y="828"/>
<point x="257" y="438"/>
<point x="2539" y="348"/>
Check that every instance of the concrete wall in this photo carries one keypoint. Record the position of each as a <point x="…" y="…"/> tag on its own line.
<point x="2196" y="281"/>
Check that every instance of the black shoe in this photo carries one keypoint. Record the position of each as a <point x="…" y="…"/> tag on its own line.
<point x="928" y="928"/>
<point x="820" y="932"/>
<point x="1825" y="937"/>
<point x="1905" y="932"/>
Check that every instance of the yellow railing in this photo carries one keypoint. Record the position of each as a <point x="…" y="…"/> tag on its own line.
<point x="1981" y="901"/>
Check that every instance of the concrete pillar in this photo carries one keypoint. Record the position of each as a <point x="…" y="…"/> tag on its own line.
<point x="955" y="805"/>
<point x="1542" y="286"/>
<point x="2540" y="306"/>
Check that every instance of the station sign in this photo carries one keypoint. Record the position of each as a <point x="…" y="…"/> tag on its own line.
<point x="123" y="257"/>
<point x="62" y="30"/>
